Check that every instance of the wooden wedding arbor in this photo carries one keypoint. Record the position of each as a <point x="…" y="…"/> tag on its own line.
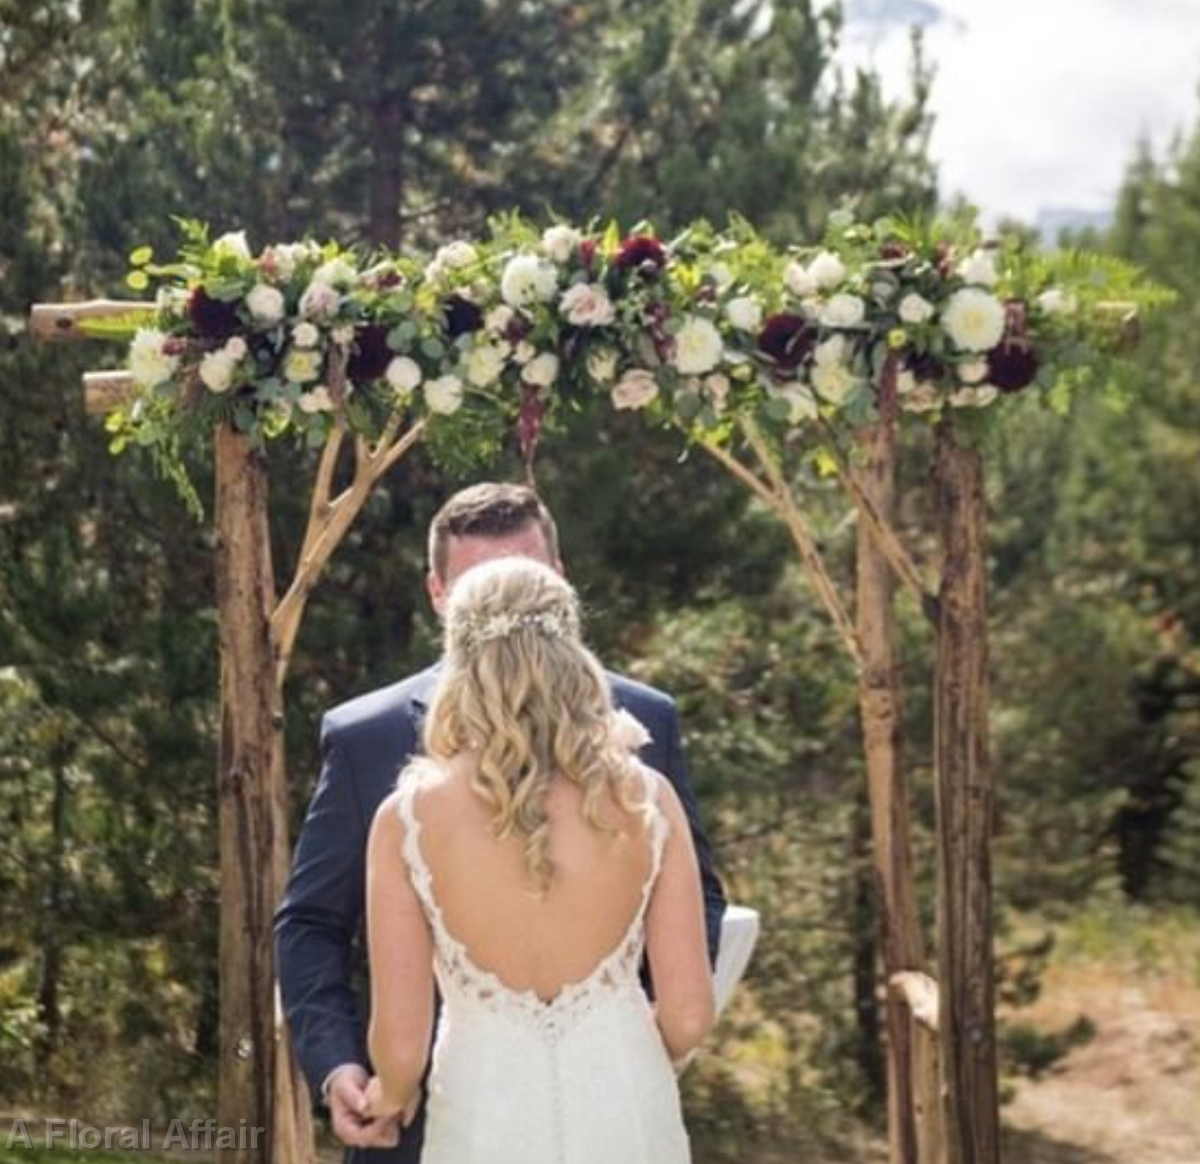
<point x="942" y="1078"/>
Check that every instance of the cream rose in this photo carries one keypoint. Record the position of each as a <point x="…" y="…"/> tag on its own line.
<point x="148" y="363"/>
<point x="745" y="313"/>
<point x="559" y="242"/>
<point x="635" y="389"/>
<point x="403" y="375"/>
<point x="915" y="308"/>
<point x="842" y="310"/>
<point x="698" y="346"/>
<point x="484" y="364"/>
<point x="541" y="371"/>
<point x="587" y="305"/>
<point x="444" y="395"/>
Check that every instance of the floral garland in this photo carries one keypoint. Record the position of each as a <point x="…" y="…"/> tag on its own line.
<point x="499" y="333"/>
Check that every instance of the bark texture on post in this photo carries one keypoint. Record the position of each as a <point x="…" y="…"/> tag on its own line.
<point x="914" y="1110"/>
<point x="252" y="816"/>
<point x="965" y="810"/>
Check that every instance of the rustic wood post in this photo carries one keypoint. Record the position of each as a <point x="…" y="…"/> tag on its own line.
<point x="250" y="758"/>
<point x="915" y="1133"/>
<point x="260" y="1085"/>
<point x="964" y="809"/>
<point x="915" y="1128"/>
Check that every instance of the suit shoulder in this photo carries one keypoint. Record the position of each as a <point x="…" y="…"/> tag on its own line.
<point x="636" y="696"/>
<point x="383" y="705"/>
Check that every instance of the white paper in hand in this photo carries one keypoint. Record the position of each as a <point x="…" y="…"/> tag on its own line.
<point x="739" y="933"/>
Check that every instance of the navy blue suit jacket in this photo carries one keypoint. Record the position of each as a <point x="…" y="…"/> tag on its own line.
<point x="364" y="744"/>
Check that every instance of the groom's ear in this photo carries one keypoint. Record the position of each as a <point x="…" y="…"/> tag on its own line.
<point x="436" y="589"/>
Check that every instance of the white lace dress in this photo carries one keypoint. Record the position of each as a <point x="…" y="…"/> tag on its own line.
<point x="581" y="1079"/>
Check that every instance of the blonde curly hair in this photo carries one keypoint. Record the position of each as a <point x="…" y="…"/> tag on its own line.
<point x="521" y="690"/>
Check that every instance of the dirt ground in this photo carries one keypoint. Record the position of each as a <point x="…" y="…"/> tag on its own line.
<point x="1131" y="1094"/>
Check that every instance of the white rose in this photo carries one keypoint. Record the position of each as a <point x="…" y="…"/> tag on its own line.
<point x="799" y="281"/>
<point x="915" y="308"/>
<point x="979" y="267"/>
<point x="587" y="305"/>
<point x="319" y="301"/>
<point x="635" y="389"/>
<point x="972" y="371"/>
<point x="456" y="254"/>
<point x="1055" y="301"/>
<point x="497" y="320"/>
<point x="216" y="370"/>
<point x="484" y="363"/>
<point x="301" y="366"/>
<point x="826" y="270"/>
<point x="403" y="374"/>
<point x="832" y="376"/>
<point x="148" y="363"/>
<point x="316" y="400"/>
<point x="843" y="310"/>
<point x="560" y="241"/>
<point x="541" y="371"/>
<point x="265" y="303"/>
<point x="698" y="346"/>
<point x="526" y="279"/>
<point x="602" y="364"/>
<point x="235" y="348"/>
<point x="343" y="335"/>
<point x="745" y="313"/>
<point x="973" y="319"/>
<point x="800" y="399"/>
<point x="336" y="272"/>
<point x="979" y="396"/>
<point x="721" y="275"/>
<point x="232" y="245"/>
<point x="444" y="395"/>
<point x="172" y="300"/>
<point x="305" y="335"/>
<point x="717" y="386"/>
<point x="524" y="352"/>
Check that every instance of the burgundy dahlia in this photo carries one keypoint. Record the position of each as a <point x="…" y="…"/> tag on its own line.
<point x="641" y="252"/>
<point x="787" y="339"/>
<point x="217" y="318"/>
<point x="370" y="354"/>
<point x="892" y="251"/>
<point x="518" y="328"/>
<point x="587" y="252"/>
<point x="926" y="367"/>
<point x="1012" y="365"/>
<point x="461" y="316"/>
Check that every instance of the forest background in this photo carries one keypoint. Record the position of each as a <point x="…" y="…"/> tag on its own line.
<point x="407" y="124"/>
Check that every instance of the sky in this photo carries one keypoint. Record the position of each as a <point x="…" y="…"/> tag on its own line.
<point x="1039" y="104"/>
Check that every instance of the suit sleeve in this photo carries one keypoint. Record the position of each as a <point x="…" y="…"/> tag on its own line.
<point x="318" y="919"/>
<point x="676" y="770"/>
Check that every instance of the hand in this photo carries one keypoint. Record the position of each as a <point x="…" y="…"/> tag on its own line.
<point x="380" y="1106"/>
<point x="353" y="1123"/>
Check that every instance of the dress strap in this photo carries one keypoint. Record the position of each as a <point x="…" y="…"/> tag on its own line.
<point x="659" y="828"/>
<point x="418" y="871"/>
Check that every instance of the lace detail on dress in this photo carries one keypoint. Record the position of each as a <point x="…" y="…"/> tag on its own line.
<point x="463" y="979"/>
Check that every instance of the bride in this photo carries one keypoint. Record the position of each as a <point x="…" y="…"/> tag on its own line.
<point x="527" y="862"/>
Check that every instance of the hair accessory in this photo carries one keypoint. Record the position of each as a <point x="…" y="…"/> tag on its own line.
<point x="477" y="631"/>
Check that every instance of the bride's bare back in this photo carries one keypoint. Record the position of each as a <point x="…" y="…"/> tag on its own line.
<point x="489" y="903"/>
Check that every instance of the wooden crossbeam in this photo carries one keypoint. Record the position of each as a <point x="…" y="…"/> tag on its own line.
<point x="103" y="391"/>
<point x="60" y="321"/>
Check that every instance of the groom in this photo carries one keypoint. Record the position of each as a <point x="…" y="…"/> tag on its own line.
<point x="364" y="743"/>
